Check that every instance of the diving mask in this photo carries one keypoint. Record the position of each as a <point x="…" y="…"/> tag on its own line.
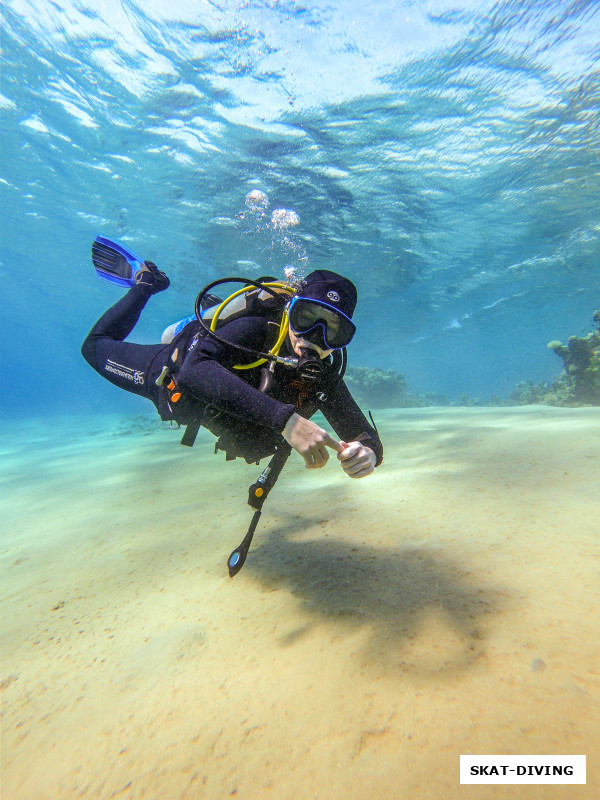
<point x="319" y="323"/>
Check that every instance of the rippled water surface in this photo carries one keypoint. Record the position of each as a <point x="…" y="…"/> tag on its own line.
<point x="444" y="155"/>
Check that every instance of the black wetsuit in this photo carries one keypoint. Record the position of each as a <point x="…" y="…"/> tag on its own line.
<point x="247" y="421"/>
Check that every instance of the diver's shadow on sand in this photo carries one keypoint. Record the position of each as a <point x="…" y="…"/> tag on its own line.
<point x="424" y="613"/>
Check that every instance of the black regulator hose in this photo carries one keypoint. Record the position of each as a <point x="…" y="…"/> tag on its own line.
<point x="246" y="282"/>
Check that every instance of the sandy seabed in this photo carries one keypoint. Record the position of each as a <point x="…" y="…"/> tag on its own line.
<point x="448" y="604"/>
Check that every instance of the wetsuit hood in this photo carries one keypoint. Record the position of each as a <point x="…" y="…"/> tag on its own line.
<point x="330" y="288"/>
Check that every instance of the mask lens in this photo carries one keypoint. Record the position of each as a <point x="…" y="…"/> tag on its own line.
<point x="304" y="316"/>
<point x="307" y="315"/>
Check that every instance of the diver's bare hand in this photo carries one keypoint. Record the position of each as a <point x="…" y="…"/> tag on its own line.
<point x="357" y="460"/>
<point x="309" y="440"/>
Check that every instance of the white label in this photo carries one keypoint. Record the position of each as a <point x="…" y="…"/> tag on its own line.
<point x="522" y="769"/>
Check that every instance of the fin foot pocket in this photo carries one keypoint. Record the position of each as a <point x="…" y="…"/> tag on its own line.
<point x="150" y="275"/>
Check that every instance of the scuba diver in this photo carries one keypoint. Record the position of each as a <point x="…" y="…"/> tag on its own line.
<point x="252" y="368"/>
<point x="196" y="379"/>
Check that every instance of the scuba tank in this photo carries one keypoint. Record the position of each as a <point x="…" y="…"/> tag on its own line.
<point x="209" y="302"/>
<point x="252" y="300"/>
<point x="257" y="298"/>
<point x="171" y="331"/>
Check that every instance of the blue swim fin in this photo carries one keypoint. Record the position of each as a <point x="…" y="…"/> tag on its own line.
<point x="114" y="262"/>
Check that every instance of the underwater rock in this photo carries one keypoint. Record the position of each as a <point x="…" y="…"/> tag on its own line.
<point x="581" y="360"/>
<point x="549" y="393"/>
<point x="578" y="384"/>
<point x="377" y="388"/>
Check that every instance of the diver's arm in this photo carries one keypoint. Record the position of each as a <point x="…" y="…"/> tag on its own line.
<point x="207" y="374"/>
<point x="357" y="459"/>
<point x="310" y="441"/>
<point x="347" y="420"/>
<point x="211" y="384"/>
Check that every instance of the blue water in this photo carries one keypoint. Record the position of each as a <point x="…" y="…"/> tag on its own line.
<point x="443" y="155"/>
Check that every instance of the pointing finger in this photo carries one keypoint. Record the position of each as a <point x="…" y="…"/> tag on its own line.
<point x="331" y="442"/>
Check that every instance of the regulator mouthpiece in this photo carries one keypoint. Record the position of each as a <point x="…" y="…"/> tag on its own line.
<point x="310" y="366"/>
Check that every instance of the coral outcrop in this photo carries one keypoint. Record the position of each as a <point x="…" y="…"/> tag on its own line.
<point x="578" y="384"/>
<point x="581" y="359"/>
<point x="377" y="388"/>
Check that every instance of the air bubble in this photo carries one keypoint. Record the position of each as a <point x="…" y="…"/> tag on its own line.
<point x="257" y="201"/>
<point x="283" y="218"/>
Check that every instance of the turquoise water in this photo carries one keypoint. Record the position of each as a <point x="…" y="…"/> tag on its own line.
<point x="444" y="155"/>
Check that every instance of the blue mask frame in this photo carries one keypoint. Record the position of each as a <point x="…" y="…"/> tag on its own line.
<point x="345" y="327"/>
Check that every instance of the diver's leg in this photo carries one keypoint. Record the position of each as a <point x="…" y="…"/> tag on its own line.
<point x="132" y="367"/>
<point x="118" y="322"/>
